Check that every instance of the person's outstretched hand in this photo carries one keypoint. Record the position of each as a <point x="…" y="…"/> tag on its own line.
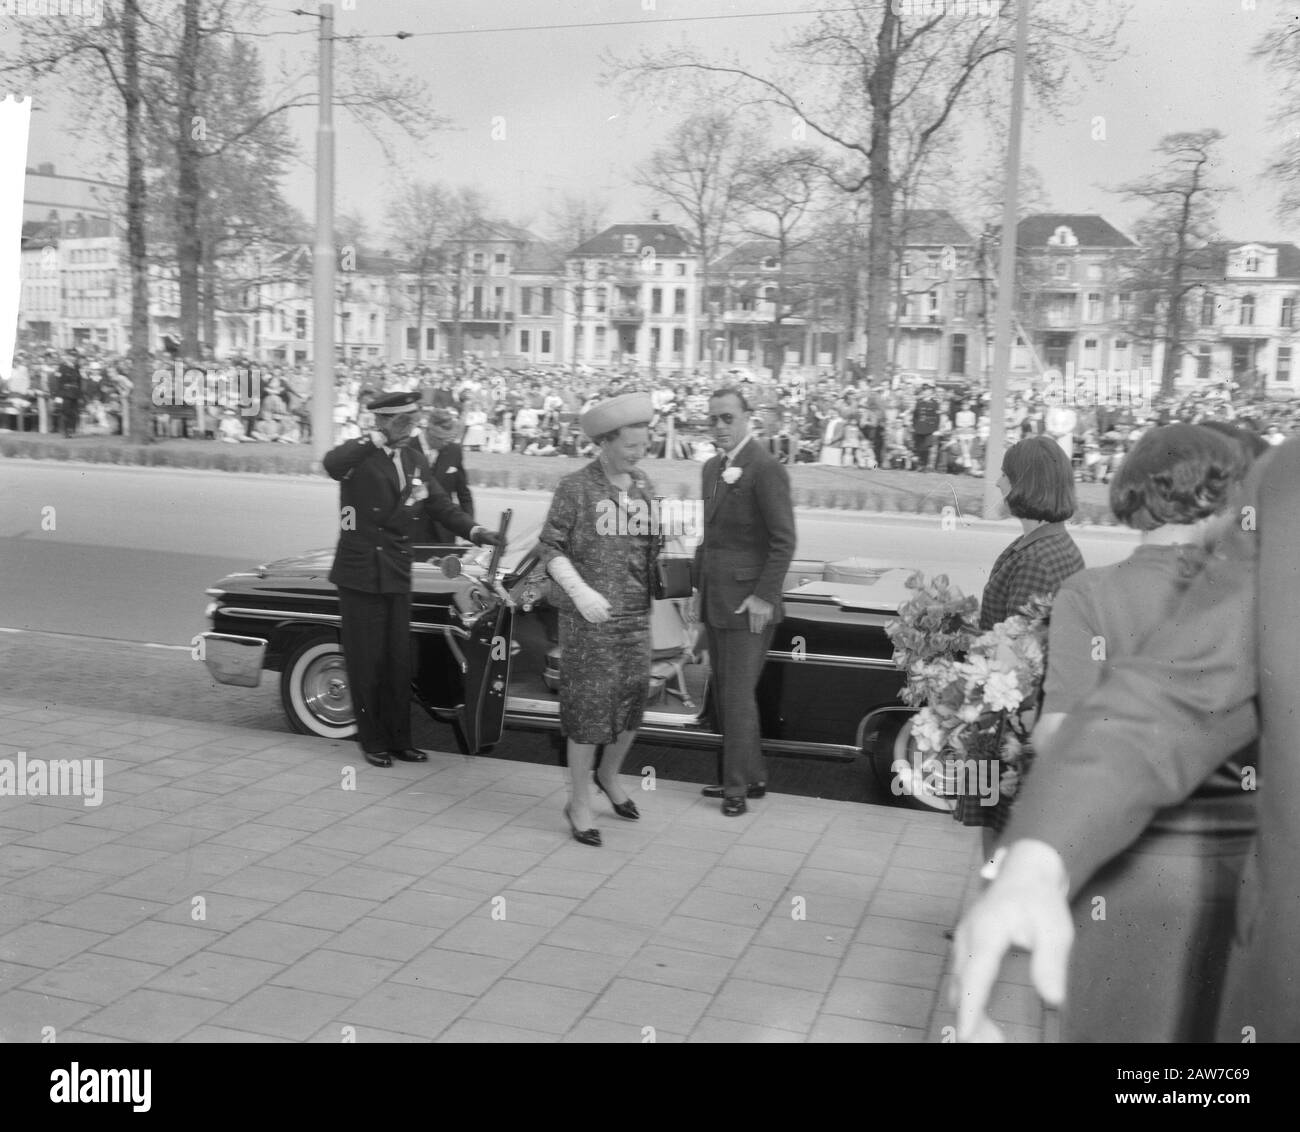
<point x="1026" y="906"/>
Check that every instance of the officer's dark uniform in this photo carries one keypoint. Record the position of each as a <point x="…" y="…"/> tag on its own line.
<point x="925" y="423"/>
<point x="447" y="466"/>
<point x="372" y="570"/>
<point x="70" y="390"/>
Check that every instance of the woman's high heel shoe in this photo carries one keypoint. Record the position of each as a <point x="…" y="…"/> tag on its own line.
<point x="623" y="809"/>
<point x="583" y="836"/>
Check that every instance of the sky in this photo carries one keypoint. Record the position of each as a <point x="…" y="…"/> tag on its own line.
<point x="1186" y="67"/>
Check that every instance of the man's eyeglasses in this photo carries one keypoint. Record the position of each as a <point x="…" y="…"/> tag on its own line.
<point x="725" y="418"/>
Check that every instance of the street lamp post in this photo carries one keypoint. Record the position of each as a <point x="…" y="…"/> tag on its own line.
<point x="1006" y="277"/>
<point x="322" y="400"/>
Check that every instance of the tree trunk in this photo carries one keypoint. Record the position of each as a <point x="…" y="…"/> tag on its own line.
<point x="189" y="245"/>
<point x="1174" y="315"/>
<point x="209" y="306"/>
<point x="880" y="89"/>
<point x="778" y="337"/>
<point x="142" y="394"/>
<point x="419" y="323"/>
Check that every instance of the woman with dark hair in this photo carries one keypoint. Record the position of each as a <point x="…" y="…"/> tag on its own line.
<point x="1152" y="928"/>
<point x="599" y="549"/>
<point x="1037" y="485"/>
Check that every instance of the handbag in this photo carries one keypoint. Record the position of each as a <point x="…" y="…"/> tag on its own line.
<point x="672" y="578"/>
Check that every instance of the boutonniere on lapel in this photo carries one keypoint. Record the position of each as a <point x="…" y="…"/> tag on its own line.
<point x="731" y="475"/>
<point x="452" y="471"/>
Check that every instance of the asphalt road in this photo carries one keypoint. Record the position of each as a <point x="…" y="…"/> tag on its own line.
<point x="126" y="553"/>
<point x="102" y="573"/>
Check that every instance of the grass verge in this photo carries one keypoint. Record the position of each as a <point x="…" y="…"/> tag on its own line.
<point x="814" y="485"/>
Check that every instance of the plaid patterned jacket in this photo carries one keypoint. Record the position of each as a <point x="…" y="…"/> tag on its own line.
<point x="1036" y="563"/>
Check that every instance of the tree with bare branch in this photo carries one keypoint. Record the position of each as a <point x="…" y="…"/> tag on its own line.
<point x="573" y="219"/>
<point x="155" y="66"/>
<point x="698" y="172"/>
<point x="1176" y="237"/>
<point x="419" y="222"/>
<point x="430" y="225"/>
<point x="855" y="70"/>
<point x="1279" y="51"/>
<point x="778" y="193"/>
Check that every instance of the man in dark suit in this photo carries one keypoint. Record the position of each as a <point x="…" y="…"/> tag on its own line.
<point x="925" y="423"/>
<point x="749" y="540"/>
<point x="69" y="387"/>
<point x="384" y="482"/>
<point x="1218" y="674"/>
<point x="447" y="464"/>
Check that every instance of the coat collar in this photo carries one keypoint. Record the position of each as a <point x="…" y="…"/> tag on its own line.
<point x="1045" y="531"/>
<point x="407" y="456"/>
<point x="640" y="482"/>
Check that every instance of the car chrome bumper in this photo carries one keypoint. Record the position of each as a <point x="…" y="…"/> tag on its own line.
<point x="234" y="660"/>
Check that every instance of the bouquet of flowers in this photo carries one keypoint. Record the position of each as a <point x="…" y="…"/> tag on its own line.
<point x="977" y="690"/>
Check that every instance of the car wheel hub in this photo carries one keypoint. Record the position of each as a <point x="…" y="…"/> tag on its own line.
<point x="325" y="691"/>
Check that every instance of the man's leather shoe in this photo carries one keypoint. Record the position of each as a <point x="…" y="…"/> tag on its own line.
<point x="756" y="790"/>
<point x="378" y="758"/>
<point x="733" y="807"/>
<point x="410" y="755"/>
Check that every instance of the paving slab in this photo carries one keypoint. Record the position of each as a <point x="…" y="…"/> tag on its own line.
<point x="231" y="887"/>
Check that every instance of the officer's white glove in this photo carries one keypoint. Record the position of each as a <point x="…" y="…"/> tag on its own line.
<point x="589" y="603"/>
<point x="377" y="438"/>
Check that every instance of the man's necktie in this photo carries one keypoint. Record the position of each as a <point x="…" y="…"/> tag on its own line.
<point x="721" y="468"/>
<point x="397" y="463"/>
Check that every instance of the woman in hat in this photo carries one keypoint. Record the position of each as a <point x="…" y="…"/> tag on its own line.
<point x="599" y="549"/>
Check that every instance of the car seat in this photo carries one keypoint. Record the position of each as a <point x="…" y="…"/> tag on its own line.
<point x="672" y="647"/>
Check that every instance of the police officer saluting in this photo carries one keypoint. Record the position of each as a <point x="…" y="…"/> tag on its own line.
<point x="384" y="484"/>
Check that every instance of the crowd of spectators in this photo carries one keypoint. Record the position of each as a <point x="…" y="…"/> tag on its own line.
<point x="534" y="411"/>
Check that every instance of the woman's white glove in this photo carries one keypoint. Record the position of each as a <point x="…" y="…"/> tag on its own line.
<point x="590" y="604"/>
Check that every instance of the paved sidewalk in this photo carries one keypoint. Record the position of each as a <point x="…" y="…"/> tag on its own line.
<point x="232" y="887"/>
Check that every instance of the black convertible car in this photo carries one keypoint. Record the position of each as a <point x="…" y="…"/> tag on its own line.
<point x="486" y="657"/>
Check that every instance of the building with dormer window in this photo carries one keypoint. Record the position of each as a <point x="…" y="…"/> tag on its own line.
<point x="1072" y="308"/>
<point x="1244" y="315"/>
<point x="941" y="308"/>
<point x="630" y="299"/>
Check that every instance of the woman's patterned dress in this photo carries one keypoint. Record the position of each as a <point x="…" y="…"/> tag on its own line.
<point x="606" y="533"/>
